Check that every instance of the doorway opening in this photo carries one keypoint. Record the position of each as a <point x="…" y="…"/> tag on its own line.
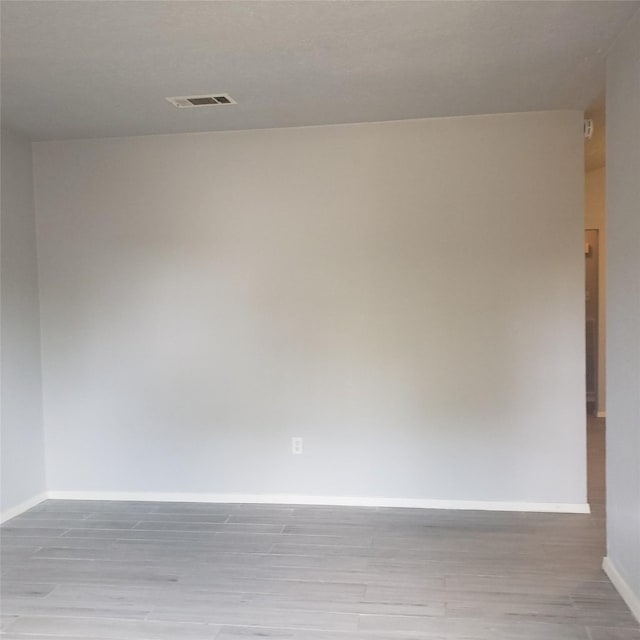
<point x="592" y="308"/>
<point x="595" y="293"/>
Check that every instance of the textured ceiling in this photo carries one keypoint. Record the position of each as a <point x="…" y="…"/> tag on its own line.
<point x="103" y="68"/>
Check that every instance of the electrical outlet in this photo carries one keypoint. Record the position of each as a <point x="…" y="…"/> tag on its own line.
<point x="296" y="446"/>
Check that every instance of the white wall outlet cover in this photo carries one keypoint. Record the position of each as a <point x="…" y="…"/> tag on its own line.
<point x="296" y="446"/>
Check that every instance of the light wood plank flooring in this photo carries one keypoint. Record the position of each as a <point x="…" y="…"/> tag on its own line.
<point x="154" y="571"/>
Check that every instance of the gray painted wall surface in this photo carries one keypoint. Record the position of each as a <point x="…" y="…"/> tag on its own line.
<point x="23" y="468"/>
<point x="408" y="297"/>
<point x="623" y="305"/>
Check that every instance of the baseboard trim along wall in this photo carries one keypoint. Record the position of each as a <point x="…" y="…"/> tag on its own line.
<point x="625" y="591"/>
<point x="334" y="501"/>
<point x="25" y="505"/>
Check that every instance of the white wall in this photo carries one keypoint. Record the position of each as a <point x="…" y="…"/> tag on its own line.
<point x="406" y="296"/>
<point x="23" y="475"/>
<point x="595" y="218"/>
<point x="623" y="313"/>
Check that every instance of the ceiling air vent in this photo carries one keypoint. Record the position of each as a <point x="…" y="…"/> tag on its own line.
<point x="211" y="100"/>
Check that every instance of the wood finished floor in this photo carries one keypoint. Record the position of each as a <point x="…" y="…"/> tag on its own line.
<point x="154" y="571"/>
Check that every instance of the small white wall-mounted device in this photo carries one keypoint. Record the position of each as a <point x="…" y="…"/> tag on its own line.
<point x="588" y="128"/>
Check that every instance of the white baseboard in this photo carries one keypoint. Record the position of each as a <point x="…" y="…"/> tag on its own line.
<point x="337" y="501"/>
<point x="632" y="599"/>
<point x="12" y="512"/>
<point x="601" y="414"/>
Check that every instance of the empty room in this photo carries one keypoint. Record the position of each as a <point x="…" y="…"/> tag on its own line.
<point x="320" y="320"/>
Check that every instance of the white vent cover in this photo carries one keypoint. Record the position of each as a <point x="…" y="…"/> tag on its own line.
<point x="210" y="100"/>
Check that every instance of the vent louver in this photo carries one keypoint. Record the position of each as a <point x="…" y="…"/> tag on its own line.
<point x="211" y="100"/>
